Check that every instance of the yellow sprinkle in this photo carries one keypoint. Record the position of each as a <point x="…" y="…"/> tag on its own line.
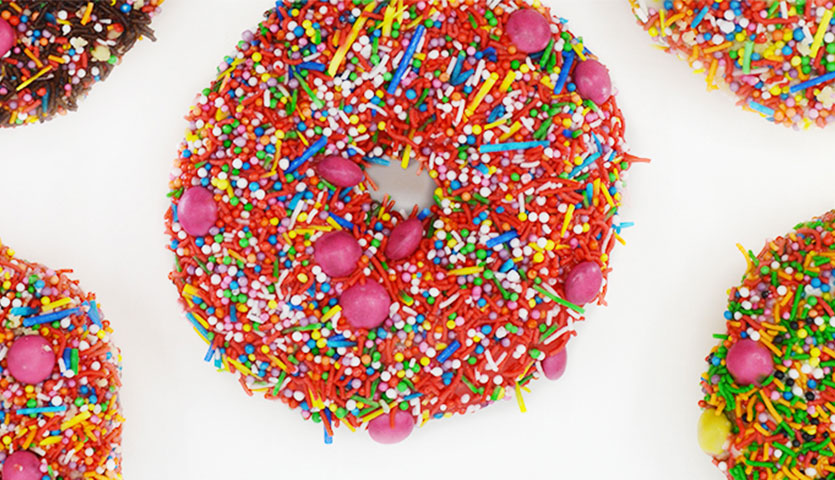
<point x="619" y="238"/>
<point x="608" y="197"/>
<point x="277" y="362"/>
<point x="38" y="75"/>
<point x="56" y="304"/>
<point x="241" y="368"/>
<point x="50" y="440"/>
<point x="519" y="399"/>
<point x="425" y="417"/>
<point x="76" y="420"/>
<point x="333" y="311"/>
<point x="407" y="153"/>
<point x="508" y="80"/>
<point x="744" y="254"/>
<point x="513" y="129"/>
<point x="336" y="62"/>
<point x="568" y="215"/>
<point x="495" y="124"/>
<point x="87" y="13"/>
<point x="201" y="321"/>
<point x="482" y="92"/>
<point x="661" y="23"/>
<point x="822" y="28"/>
<point x="466" y="271"/>
<point x="578" y="49"/>
<point x="388" y="18"/>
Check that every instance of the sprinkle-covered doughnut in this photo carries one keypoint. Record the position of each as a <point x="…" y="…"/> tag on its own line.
<point x="52" y="52"/>
<point x="362" y="313"/>
<point x="769" y="392"/>
<point x="778" y="57"/>
<point x="60" y="380"/>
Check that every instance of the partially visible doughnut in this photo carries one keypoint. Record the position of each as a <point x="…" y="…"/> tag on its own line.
<point x="768" y="391"/>
<point x="52" y="52"/>
<point x="60" y="378"/>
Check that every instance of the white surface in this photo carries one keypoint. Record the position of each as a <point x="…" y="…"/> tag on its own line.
<point x="88" y="191"/>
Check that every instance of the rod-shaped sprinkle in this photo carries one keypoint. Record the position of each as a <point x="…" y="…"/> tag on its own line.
<point x="406" y="61"/>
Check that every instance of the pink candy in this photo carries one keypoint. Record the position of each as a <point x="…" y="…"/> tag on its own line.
<point x="31" y="359"/>
<point x="22" y="465"/>
<point x="404" y="239"/>
<point x="583" y="283"/>
<point x="528" y="30"/>
<point x="554" y="366"/>
<point x="337" y="253"/>
<point x="340" y="171"/>
<point x="197" y="211"/>
<point x="749" y="362"/>
<point x="381" y="430"/>
<point x="7" y="37"/>
<point x="365" y="305"/>
<point x="593" y="81"/>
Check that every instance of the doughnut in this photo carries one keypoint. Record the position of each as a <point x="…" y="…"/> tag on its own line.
<point x="51" y="53"/>
<point x="60" y="378"/>
<point x="777" y="57"/>
<point x="768" y="391"/>
<point x="377" y="316"/>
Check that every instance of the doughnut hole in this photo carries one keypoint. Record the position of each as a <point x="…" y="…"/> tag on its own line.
<point x="406" y="187"/>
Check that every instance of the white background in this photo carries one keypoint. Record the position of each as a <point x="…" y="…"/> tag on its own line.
<point x="87" y="191"/>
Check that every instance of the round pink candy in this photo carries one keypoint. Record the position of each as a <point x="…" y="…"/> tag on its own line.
<point x="554" y="366"/>
<point x="340" y="171"/>
<point x="529" y="30"/>
<point x="7" y="37"/>
<point x="749" y="362"/>
<point x="337" y="253"/>
<point x="31" y="359"/>
<point x="365" y="305"/>
<point x="583" y="283"/>
<point x="22" y="465"/>
<point x="381" y="430"/>
<point x="404" y="239"/>
<point x="593" y="81"/>
<point x="197" y="211"/>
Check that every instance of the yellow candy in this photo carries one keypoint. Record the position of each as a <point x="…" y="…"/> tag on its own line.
<point x="714" y="431"/>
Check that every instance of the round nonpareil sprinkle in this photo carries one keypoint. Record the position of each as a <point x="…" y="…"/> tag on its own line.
<point x="777" y="56"/>
<point x="52" y="52"/>
<point x="358" y="312"/>
<point x="769" y="390"/>
<point x="60" y="416"/>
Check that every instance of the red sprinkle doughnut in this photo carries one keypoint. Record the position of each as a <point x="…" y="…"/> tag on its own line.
<point x="354" y="310"/>
<point x="60" y="381"/>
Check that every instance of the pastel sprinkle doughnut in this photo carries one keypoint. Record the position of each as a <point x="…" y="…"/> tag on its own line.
<point x="60" y="378"/>
<point x="769" y="390"/>
<point x="380" y="316"/>
<point x="52" y="52"/>
<point x="777" y="57"/>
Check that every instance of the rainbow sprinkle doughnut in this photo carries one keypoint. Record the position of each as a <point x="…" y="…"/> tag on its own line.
<point x="769" y="390"/>
<point x="778" y="57"/>
<point x="60" y="415"/>
<point x="52" y="52"/>
<point x="356" y="311"/>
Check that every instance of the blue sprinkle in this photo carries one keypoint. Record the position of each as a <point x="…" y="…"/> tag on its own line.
<point x="503" y="238"/>
<point x="448" y="351"/>
<point x="49" y="317"/>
